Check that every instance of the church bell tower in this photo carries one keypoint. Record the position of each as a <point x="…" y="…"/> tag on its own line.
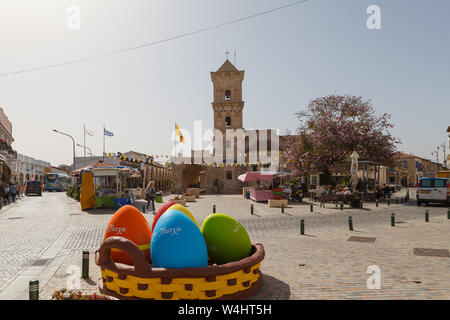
<point x="227" y="104"/>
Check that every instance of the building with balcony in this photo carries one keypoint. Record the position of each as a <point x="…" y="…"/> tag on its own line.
<point x="7" y="153"/>
<point x="448" y="156"/>
<point x="26" y="168"/>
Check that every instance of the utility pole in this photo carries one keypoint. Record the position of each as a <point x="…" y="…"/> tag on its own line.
<point x="437" y="160"/>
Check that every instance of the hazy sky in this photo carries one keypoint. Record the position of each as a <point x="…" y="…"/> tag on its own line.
<point x="290" y="57"/>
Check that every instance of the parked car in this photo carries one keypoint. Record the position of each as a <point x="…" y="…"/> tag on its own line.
<point x="33" y="187"/>
<point x="433" y="190"/>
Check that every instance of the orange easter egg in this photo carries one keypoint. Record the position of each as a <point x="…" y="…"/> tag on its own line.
<point x="128" y="222"/>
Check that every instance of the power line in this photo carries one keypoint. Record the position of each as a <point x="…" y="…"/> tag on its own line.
<point x="154" y="42"/>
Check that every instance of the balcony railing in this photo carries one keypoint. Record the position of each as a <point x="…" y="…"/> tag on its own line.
<point x="4" y="146"/>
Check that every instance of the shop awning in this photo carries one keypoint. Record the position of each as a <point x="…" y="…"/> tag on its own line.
<point x="255" y="175"/>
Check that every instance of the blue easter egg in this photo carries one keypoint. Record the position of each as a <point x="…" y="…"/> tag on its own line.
<point x="177" y="242"/>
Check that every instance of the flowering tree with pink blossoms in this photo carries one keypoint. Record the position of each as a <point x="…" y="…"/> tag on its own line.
<point x="332" y="128"/>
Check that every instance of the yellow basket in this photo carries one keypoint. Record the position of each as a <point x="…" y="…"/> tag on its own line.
<point x="234" y="280"/>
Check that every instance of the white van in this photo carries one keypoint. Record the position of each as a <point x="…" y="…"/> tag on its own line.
<point x="433" y="190"/>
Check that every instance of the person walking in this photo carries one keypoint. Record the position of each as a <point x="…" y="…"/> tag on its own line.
<point x="7" y="193"/>
<point x="13" y="190"/>
<point x="150" y="195"/>
<point x="387" y="192"/>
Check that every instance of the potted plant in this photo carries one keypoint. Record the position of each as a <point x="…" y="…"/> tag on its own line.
<point x="65" y="294"/>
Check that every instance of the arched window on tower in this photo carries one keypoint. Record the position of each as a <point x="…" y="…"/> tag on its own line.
<point x="227" y="122"/>
<point x="227" y="95"/>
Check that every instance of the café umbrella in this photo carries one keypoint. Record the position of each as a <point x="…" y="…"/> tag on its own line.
<point x="254" y="176"/>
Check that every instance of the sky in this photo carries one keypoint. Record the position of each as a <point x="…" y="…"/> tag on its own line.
<point x="290" y="57"/>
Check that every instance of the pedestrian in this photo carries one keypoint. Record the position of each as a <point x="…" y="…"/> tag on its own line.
<point x="330" y="190"/>
<point x="387" y="191"/>
<point x="13" y="190"/>
<point x="7" y="193"/>
<point x="150" y="195"/>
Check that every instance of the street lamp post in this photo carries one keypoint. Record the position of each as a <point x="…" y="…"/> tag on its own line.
<point x="73" y="140"/>
<point x="437" y="160"/>
<point x="89" y="149"/>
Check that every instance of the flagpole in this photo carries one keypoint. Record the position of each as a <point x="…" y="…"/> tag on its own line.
<point x="103" y="142"/>
<point x="176" y="140"/>
<point x="84" y="133"/>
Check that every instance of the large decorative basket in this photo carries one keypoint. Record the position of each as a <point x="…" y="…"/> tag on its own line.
<point x="234" y="280"/>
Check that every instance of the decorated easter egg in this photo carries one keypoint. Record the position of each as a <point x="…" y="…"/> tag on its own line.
<point x="177" y="242"/>
<point x="183" y="209"/>
<point x="226" y="239"/>
<point x="161" y="210"/>
<point x="128" y="222"/>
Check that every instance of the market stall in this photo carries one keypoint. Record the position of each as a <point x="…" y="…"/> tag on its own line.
<point x="257" y="193"/>
<point x="108" y="184"/>
<point x="260" y="193"/>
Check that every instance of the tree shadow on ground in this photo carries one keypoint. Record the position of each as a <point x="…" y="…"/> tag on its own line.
<point x="99" y="211"/>
<point x="298" y="204"/>
<point x="272" y="289"/>
<point x="357" y="231"/>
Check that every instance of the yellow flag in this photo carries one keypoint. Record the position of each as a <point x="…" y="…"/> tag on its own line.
<point x="178" y="133"/>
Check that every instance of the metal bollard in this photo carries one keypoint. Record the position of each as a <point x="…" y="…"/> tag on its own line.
<point x="33" y="289"/>
<point x="251" y="208"/>
<point x="350" y="223"/>
<point x="361" y="204"/>
<point x="85" y="265"/>
<point x="282" y="208"/>
<point x="311" y="207"/>
<point x="401" y="200"/>
<point x="143" y="208"/>
<point x="302" y="226"/>
<point x="341" y="206"/>
<point x="376" y="203"/>
<point x="396" y="200"/>
<point x="214" y="208"/>
<point x="427" y="216"/>
<point x="448" y="213"/>
<point x="389" y="202"/>
<point x="393" y="220"/>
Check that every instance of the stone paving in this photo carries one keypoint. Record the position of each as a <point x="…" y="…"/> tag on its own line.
<point x="319" y="265"/>
<point x="25" y="232"/>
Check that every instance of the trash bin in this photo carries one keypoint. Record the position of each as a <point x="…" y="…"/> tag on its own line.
<point x="356" y="203"/>
<point x="158" y="197"/>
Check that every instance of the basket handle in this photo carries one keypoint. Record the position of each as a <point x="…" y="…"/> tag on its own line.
<point x="103" y="256"/>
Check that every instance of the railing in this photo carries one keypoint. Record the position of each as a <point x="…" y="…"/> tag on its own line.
<point x="5" y="147"/>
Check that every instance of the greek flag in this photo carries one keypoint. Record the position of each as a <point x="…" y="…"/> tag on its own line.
<point x="108" y="133"/>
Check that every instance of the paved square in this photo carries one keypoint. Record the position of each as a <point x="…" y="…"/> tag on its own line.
<point x="322" y="264"/>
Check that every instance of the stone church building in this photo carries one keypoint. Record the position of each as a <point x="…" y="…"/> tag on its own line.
<point x="221" y="176"/>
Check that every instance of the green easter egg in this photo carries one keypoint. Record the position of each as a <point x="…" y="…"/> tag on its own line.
<point x="226" y="239"/>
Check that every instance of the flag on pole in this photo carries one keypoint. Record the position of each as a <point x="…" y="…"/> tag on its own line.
<point x="178" y="133"/>
<point x="108" y="133"/>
